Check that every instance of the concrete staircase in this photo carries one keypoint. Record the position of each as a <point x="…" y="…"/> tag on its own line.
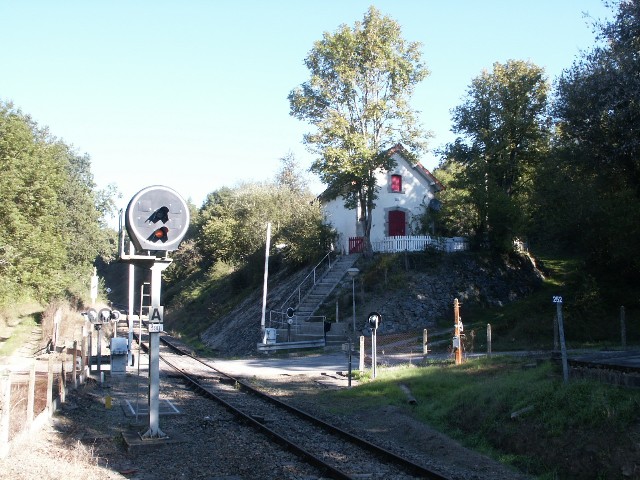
<point x="305" y="326"/>
<point x="321" y="290"/>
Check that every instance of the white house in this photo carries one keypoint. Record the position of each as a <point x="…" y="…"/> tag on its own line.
<point x="403" y="194"/>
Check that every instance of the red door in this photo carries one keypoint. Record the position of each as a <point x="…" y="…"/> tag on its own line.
<point x="396" y="223"/>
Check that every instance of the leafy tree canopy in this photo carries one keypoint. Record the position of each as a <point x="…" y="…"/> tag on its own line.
<point x="504" y="130"/>
<point x="232" y="221"/>
<point x="357" y="98"/>
<point x="597" y="152"/>
<point x="51" y="213"/>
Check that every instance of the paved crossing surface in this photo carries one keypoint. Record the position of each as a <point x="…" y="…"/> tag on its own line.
<point x="273" y="366"/>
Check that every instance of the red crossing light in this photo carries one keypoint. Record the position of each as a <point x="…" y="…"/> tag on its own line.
<point x="160" y="234"/>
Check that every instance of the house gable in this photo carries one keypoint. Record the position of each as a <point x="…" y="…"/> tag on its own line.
<point x="401" y="153"/>
<point x="404" y="192"/>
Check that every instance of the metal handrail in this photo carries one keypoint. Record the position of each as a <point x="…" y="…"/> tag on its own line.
<point x="280" y="320"/>
<point x="312" y="275"/>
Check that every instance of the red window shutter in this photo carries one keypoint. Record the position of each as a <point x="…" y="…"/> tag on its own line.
<point x="396" y="183"/>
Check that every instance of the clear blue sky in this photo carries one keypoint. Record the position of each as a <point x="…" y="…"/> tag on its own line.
<point x="192" y="94"/>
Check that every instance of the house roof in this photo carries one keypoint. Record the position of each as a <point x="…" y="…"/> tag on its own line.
<point x="400" y="150"/>
<point x="331" y="193"/>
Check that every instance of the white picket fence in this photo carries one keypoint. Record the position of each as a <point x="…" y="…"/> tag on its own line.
<point x="419" y="244"/>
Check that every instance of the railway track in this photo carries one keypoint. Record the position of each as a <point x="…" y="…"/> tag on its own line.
<point x="334" y="452"/>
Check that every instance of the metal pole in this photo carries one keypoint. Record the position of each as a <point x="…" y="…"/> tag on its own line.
<point x="350" y="347"/>
<point x="266" y="278"/>
<point x="87" y="333"/>
<point x="374" y="353"/>
<point x="563" y="346"/>
<point x="154" y="351"/>
<point x="99" y="346"/>
<point x="132" y="270"/>
<point x="353" y="294"/>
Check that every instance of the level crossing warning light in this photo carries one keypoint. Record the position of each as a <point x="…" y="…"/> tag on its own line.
<point x="157" y="219"/>
<point x="374" y="320"/>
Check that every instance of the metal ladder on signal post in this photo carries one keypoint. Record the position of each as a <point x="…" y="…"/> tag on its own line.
<point x="145" y="294"/>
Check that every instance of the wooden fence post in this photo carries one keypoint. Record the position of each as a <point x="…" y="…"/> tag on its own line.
<point x="50" y="387"/>
<point x="90" y="346"/>
<point x="425" y="348"/>
<point x="31" y="394"/>
<point x="74" y="367"/>
<point x="63" y="382"/>
<point x="5" y="414"/>
<point x="83" y="346"/>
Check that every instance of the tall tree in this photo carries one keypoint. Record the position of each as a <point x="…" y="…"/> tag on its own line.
<point x="598" y="116"/>
<point x="32" y="246"/>
<point x="233" y="222"/>
<point x="52" y="215"/>
<point x="357" y="98"/>
<point x="290" y="175"/>
<point x="504" y="131"/>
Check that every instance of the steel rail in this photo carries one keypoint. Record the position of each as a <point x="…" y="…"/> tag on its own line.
<point x="308" y="456"/>
<point x="404" y="463"/>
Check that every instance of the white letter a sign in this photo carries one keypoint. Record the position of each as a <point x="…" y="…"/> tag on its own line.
<point x="157" y="314"/>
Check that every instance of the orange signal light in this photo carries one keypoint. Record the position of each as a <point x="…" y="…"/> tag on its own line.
<point x="161" y="233"/>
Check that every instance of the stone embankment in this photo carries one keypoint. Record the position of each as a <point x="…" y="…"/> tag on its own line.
<point x="427" y="296"/>
<point x="408" y="299"/>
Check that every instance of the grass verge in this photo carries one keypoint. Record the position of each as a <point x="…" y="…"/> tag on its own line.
<point x="517" y="411"/>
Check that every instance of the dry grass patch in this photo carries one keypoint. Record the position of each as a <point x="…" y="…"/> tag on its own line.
<point x="48" y="455"/>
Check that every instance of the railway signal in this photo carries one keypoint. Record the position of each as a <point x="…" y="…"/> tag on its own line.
<point x="157" y="219"/>
<point x="97" y="319"/>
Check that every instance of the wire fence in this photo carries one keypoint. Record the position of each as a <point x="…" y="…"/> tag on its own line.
<point x="29" y="397"/>
<point x="25" y="399"/>
<point x="393" y="348"/>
